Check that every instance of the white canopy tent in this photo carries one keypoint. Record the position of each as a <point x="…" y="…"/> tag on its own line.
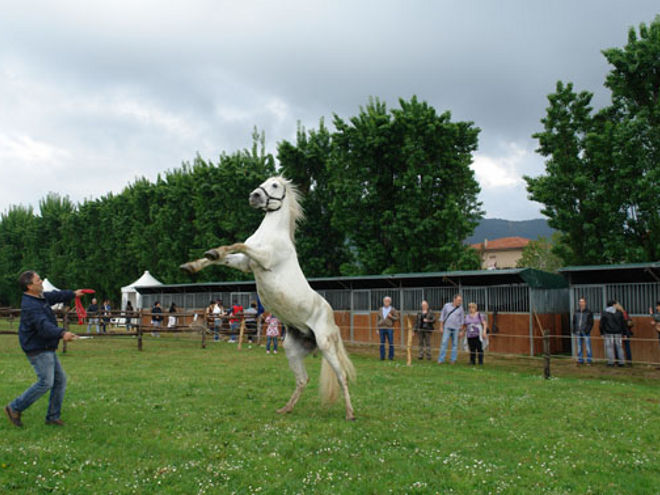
<point x="49" y="287"/>
<point x="129" y="293"/>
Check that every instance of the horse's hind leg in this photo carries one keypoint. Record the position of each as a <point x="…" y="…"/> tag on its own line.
<point x="295" y="353"/>
<point x="195" y="266"/>
<point x="329" y="348"/>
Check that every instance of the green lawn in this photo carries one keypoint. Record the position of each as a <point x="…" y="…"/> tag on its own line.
<point x="179" y="419"/>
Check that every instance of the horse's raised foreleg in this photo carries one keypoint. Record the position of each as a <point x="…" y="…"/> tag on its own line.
<point x="295" y="353"/>
<point x="262" y="256"/>
<point x="237" y="261"/>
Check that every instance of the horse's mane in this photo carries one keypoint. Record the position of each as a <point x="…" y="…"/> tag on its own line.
<point x="295" y="209"/>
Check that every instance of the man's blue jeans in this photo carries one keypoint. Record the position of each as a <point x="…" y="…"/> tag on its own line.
<point x="446" y="335"/>
<point x="583" y="341"/>
<point x="51" y="377"/>
<point x="389" y="333"/>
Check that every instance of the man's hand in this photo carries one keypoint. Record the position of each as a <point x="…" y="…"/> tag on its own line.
<point x="79" y="292"/>
<point x="68" y="336"/>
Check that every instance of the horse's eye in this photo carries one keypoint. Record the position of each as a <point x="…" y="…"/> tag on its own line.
<point x="275" y="186"/>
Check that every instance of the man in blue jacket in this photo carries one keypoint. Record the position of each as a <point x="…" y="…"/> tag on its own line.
<point x="39" y="337"/>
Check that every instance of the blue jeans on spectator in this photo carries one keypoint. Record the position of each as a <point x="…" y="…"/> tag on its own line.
<point x="389" y="333"/>
<point x="234" y="328"/>
<point x="269" y="340"/>
<point x="583" y="341"/>
<point x="93" y="321"/>
<point x="453" y="334"/>
<point x="51" y="377"/>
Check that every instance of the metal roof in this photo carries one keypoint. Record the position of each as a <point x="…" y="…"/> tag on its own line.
<point x="533" y="278"/>
<point x="619" y="273"/>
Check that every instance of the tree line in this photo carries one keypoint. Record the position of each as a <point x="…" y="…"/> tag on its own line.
<point x="389" y="190"/>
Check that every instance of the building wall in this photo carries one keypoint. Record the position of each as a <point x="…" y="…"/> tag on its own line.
<point x="505" y="258"/>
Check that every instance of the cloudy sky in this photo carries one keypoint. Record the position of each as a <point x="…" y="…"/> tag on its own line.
<point x="95" y="93"/>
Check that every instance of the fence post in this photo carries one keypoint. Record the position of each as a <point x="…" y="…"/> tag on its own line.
<point x="240" y="334"/>
<point x="139" y="331"/>
<point x="65" y="326"/>
<point x="410" y="340"/>
<point x="546" y="353"/>
<point x="203" y="330"/>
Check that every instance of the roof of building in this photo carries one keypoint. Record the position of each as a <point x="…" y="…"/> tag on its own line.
<point x="501" y="244"/>
<point x="534" y="278"/>
<point x="620" y="273"/>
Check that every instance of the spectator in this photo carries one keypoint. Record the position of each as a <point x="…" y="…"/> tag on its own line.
<point x="171" y="319"/>
<point x="655" y="318"/>
<point x="583" y="322"/>
<point x="93" y="316"/>
<point x="387" y="315"/>
<point x="251" y="320"/>
<point x="423" y="328"/>
<point x="476" y="328"/>
<point x="611" y="328"/>
<point x="39" y="337"/>
<point x="105" y="321"/>
<point x="452" y="319"/>
<point x="156" y="317"/>
<point x="236" y="312"/>
<point x="627" y="333"/>
<point x="128" y="314"/>
<point x="218" y="314"/>
<point x="272" y="332"/>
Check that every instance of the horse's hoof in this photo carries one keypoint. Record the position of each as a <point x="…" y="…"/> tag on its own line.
<point x="352" y="418"/>
<point x="212" y="255"/>
<point x="187" y="268"/>
<point x="284" y="410"/>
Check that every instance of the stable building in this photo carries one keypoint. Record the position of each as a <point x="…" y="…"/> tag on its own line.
<point x="514" y="300"/>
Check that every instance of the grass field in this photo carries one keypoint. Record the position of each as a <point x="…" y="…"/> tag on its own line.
<point x="179" y="419"/>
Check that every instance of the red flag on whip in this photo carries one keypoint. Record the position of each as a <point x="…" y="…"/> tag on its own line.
<point x="80" y="309"/>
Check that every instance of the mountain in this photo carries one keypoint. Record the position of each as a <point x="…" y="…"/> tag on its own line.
<point x="494" y="228"/>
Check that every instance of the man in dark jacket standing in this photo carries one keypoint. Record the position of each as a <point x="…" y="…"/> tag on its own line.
<point x="583" y="322"/>
<point x="39" y="337"/>
<point x="612" y="326"/>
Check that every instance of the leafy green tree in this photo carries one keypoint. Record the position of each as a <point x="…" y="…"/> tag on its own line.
<point x="539" y="254"/>
<point x="321" y="246"/>
<point x="602" y="177"/>
<point x="404" y="192"/>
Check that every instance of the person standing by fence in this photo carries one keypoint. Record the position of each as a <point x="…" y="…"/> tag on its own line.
<point x="583" y="322"/>
<point x="272" y="332"/>
<point x="452" y="319"/>
<point x="475" y="324"/>
<point x="105" y="321"/>
<point x="424" y="327"/>
<point x="655" y="318"/>
<point x="39" y="337"/>
<point x="93" y="316"/>
<point x="171" y="318"/>
<point x="387" y="315"/>
<point x="612" y="327"/>
<point x="128" y="315"/>
<point x="236" y="312"/>
<point x="627" y="333"/>
<point x="156" y="317"/>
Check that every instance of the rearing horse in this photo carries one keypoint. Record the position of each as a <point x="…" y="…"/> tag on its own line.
<point x="270" y="254"/>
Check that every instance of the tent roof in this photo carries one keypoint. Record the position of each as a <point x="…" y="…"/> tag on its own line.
<point x="146" y="280"/>
<point x="48" y="286"/>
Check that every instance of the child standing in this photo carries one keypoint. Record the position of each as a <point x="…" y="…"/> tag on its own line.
<point x="272" y="332"/>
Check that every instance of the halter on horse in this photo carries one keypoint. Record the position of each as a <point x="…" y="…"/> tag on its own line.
<point x="270" y="254"/>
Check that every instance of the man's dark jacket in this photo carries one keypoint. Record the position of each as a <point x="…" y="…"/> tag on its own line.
<point x="38" y="330"/>
<point x="586" y="317"/>
<point x="612" y="323"/>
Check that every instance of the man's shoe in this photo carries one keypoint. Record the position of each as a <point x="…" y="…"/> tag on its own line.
<point x="55" y="422"/>
<point x="14" y="416"/>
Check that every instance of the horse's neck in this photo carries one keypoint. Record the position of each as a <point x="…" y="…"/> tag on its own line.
<point x="275" y="223"/>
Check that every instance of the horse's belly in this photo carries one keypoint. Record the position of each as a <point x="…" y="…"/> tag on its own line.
<point x="291" y="305"/>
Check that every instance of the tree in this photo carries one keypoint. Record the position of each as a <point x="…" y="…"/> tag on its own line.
<point x="320" y="245"/>
<point x="602" y="177"/>
<point x="539" y="254"/>
<point x="404" y="192"/>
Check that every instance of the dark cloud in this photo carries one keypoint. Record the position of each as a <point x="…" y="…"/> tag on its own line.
<point x="141" y="86"/>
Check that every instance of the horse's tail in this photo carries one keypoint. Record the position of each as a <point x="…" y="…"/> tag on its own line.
<point x="329" y="385"/>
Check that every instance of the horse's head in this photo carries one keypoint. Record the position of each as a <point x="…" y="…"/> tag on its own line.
<point x="270" y="195"/>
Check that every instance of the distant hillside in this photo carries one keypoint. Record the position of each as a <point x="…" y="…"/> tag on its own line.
<point x="493" y="228"/>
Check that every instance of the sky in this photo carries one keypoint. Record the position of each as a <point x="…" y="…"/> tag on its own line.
<point x="94" y="94"/>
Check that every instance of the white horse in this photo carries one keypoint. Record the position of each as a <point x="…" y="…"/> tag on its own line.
<point x="270" y="254"/>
